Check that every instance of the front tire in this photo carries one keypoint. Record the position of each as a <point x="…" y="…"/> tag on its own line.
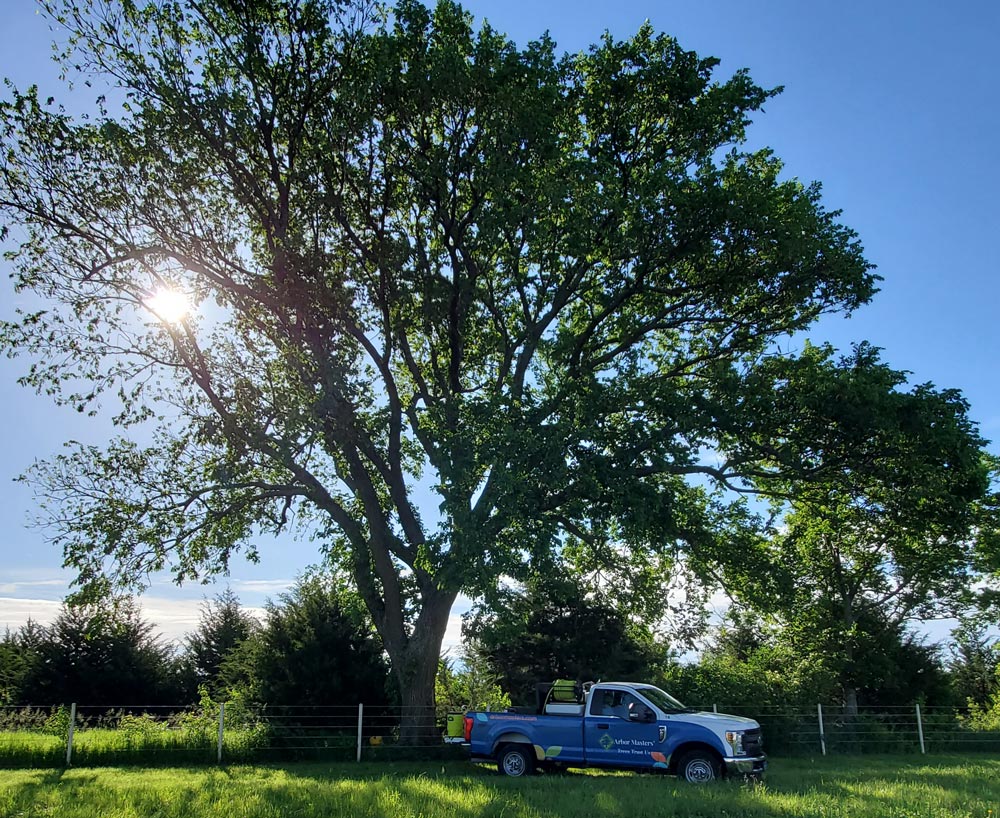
<point x="699" y="767"/>
<point x="515" y="761"/>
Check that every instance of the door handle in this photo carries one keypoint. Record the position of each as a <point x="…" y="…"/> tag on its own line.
<point x="603" y="726"/>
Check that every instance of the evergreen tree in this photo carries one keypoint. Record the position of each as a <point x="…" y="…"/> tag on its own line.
<point x="18" y="656"/>
<point x="974" y="662"/>
<point x="223" y="626"/>
<point x="316" y="647"/>
<point x="103" y="657"/>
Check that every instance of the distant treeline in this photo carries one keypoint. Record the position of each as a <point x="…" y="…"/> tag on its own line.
<point x="316" y="646"/>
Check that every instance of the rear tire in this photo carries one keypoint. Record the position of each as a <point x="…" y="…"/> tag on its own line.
<point x="699" y="767"/>
<point x="515" y="761"/>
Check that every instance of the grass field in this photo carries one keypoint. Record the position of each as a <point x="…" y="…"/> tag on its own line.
<point x="858" y="787"/>
<point x="94" y="747"/>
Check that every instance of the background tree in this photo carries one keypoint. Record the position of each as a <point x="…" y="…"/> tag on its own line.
<point x="410" y="248"/>
<point x="222" y="627"/>
<point x="748" y="666"/>
<point x="554" y="630"/>
<point x="880" y="662"/>
<point x="975" y="661"/>
<point x="895" y="532"/>
<point x="316" y="647"/>
<point x="101" y="656"/>
<point x="18" y="657"/>
<point x="467" y="684"/>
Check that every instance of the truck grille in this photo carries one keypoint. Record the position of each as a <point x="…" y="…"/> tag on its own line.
<point x="753" y="742"/>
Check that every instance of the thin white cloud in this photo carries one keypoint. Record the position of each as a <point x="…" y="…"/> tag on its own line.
<point x="719" y="603"/>
<point x="176" y="618"/>
<point x="452" y="642"/>
<point x="16" y="611"/>
<point x="264" y="586"/>
<point x="173" y="618"/>
<point x="20" y="586"/>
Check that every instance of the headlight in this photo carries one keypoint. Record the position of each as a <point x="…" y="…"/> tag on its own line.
<point x="735" y="739"/>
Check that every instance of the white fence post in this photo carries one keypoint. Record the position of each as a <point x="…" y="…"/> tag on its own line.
<point x="822" y="735"/>
<point x="920" y="730"/>
<point x="715" y="708"/>
<point x="69" y="736"/>
<point x="361" y="713"/>
<point x="222" y="725"/>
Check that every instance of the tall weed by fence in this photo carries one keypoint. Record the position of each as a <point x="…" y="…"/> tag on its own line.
<point x="109" y="735"/>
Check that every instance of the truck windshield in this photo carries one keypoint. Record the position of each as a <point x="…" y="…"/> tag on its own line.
<point x="662" y="700"/>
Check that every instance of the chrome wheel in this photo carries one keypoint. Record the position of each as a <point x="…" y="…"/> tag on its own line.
<point x="699" y="767"/>
<point x="514" y="762"/>
<point x="699" y="771"/>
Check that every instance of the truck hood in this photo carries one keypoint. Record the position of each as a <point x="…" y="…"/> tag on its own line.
<point x="723" y="721"/>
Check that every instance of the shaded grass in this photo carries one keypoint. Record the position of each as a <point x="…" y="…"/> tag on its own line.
<point x="31" y="749"/>
<point x="962" y="786"/>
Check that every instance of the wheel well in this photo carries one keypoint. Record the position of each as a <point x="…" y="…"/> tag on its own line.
<point x="510" y="738"/>
<point x="687" y="747"/>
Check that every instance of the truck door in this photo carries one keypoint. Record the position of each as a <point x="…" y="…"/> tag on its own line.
<point x="612" y="735"/>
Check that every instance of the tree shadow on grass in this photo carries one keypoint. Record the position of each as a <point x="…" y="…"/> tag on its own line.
<point x="38" y="786"/>
<point x="831" y="788"/>
<point x="465" y="791"/>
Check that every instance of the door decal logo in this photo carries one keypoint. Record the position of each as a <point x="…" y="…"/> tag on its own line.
<point x="606" y="742"/>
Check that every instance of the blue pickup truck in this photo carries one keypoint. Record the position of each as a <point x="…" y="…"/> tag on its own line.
<point x="621" y="725"/>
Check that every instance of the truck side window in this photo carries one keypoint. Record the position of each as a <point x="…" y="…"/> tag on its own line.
<point x="603" y="703"/>
<point x="614" y="703"/>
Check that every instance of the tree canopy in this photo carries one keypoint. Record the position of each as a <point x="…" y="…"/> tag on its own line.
<point x="416" y="257"/>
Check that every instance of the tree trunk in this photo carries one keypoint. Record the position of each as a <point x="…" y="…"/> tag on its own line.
<point x="417" y="725"/>
<point x="849" y="675"/>
<point x="416" y="668"/>
<point x="850" y="702"/>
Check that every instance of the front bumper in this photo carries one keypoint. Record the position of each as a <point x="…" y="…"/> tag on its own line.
<point x="743" y="765"/>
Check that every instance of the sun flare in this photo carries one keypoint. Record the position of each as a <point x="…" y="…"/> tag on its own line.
<point x="168" y="305"/>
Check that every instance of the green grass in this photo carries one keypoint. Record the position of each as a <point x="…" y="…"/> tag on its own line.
<point x="96" y="746"/>
<point x="855" y="787"/>
<point x="160" y="746"/>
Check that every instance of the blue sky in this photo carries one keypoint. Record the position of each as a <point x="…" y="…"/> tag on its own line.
<point x="892" y="106"/>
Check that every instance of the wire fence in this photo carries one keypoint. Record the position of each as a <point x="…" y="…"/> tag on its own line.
<point x="830" y="729"/>
<point x="93" y="735"/>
